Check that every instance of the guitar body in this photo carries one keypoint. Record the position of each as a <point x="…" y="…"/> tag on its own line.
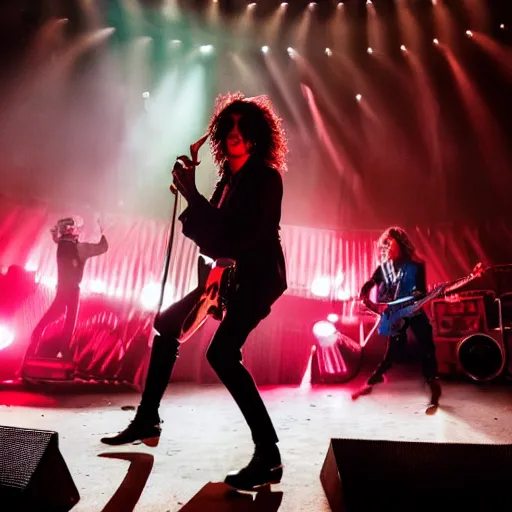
<point x="392" y="320"/>
<point x="218" y="287"/>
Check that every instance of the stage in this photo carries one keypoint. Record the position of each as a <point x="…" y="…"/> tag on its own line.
<point x="204" y="436"/>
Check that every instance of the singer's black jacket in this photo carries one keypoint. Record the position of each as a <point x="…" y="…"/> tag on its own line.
<point x="244" y="228"/>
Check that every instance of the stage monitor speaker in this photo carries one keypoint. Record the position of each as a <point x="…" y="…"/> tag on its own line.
<point x="364" y="475"/>
<point x="33" y="474"/>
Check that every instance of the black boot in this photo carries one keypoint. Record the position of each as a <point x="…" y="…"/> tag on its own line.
<point x="141" y="429"/>
<point x="435" y="391"/>
<point x="265" y="468"/>
<point x="146" y="425"/>
<point x="376" y="378"/>
<point x="435" y="395"/>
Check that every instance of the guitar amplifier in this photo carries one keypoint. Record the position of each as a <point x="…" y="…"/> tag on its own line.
<point x="464" y="326"/>
<point x="457" y="318"/>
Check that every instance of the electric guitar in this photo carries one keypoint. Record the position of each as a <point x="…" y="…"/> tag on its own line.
<point x="217" y="278"/>
<point x="393" y="317"/>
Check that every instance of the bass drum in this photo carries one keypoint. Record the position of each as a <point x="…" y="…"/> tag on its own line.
<point x="481" y="357"/>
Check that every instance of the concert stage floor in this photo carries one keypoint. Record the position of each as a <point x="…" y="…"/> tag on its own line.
<point x="205" y="436"/>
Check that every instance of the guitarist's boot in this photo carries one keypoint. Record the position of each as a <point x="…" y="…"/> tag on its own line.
<point x="435" y="395"/>
<point x="376" y="378"/>
<point x="146" y="426"/>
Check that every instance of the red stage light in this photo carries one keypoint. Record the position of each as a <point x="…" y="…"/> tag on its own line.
<point x="6" y="337"/>
<point x="325" y="333"/>
<point x="321" y="286"/>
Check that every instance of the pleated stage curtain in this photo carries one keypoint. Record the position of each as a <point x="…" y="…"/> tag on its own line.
<point x="120" y="288"/>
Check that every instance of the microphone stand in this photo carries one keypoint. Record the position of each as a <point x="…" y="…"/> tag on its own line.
<point x="194" y="148"/>
<point x="170" y="243"/>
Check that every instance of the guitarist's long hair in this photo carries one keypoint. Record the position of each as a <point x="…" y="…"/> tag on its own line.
<point x="407" y="248"/>
<point x="260" y="125"/>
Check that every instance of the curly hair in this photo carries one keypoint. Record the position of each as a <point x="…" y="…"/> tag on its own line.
<point x="259" y="125"/>
<point x="407" y="248"/>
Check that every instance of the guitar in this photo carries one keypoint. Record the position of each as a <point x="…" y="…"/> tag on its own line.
<point x="219" y="285"/>
<point x="393" y="317"/>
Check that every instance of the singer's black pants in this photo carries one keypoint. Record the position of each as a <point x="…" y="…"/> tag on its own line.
<point x="223" y="354"/>
<point x="422" y="330"/>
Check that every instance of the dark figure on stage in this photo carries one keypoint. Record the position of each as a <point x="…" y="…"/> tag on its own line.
<point x="240" y="222"/>
<point x="402" y="274"/>
<point x="71" y="258"/>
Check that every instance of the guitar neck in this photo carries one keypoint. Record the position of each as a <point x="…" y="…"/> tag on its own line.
<point x="458" y="283"/>
<point x="442" y="289"/>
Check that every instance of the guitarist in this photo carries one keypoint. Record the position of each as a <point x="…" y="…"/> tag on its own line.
<point x="240" y="222"/>
<point x="402" y="274"/>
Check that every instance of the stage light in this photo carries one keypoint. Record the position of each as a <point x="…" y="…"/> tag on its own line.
<point x="145" y="95"/>
<point x="328" y="52"/>
<point x="48" y="281"/>
<point x="403" y="48"/>
<point x="96" y="286"/>
<point x="359" y="97"/>
<point x="284" y="4"/>
<point x="368" y="2"/>
<point x="436" y="41"/>
<point x="325" y="333"/>
<point x="343" y="294"/>
<point x="312" y="5"/>
<point x="502" y="26"/>
<point x="206" y="49"/>
<point x="333" y="318"/>
<point x="6" y="337"/>
<point x="321" y="286"/>
<point x="175" y="42"/>
<point x="151" y="293"/>
<point x="469" y="33"/>
<point x="340" y="5"/>
<point x="370" y="50"/>
<point x="251" y="5"/>
<point x="31" y="266"/>
<point x="264" y="49"/>
<point x="291" y="51"/>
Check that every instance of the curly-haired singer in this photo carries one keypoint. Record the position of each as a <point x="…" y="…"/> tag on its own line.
<point x="241" y="222"/>
<point x="401" y="274"/>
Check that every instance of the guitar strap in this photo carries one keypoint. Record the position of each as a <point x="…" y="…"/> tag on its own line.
<point x="392" y="278"/>
<point x="398" y="286"/>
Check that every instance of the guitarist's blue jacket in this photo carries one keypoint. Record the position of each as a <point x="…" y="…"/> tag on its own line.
<point x="241" y="221"/>
<point x="412" y="281"/>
